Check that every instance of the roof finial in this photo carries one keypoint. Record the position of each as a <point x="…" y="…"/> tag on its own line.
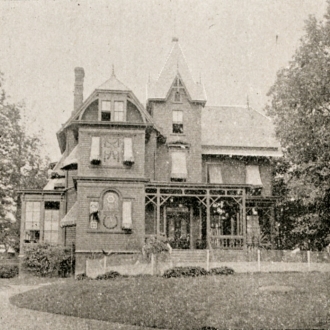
<point x="113" y="71"/>
<point x="200" y="77"/>
<point x="247" y="102"/>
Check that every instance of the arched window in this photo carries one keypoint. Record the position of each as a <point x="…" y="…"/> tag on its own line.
<point x="111" y="210"/>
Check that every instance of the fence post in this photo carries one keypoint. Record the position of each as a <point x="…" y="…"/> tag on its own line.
<point x="105" y="264"/>
<point x="207" y="259"/>
<point x="259" y="267"/>
<point x="309" y="260"/>
<point x="152" y="264"/>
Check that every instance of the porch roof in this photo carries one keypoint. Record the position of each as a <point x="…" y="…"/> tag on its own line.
<point x="178" y="185"/>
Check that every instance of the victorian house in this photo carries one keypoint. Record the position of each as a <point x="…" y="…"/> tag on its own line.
<point x="194" y="175"/>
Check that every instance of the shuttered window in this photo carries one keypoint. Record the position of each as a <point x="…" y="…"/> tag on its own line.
<point x="214" y="174"/>
<point x="179" y="165"/>
<point x="127" y="215"/>
<point x="253" y="175"/>
<point x="128" y="151"/>
<point x="95" y="156"/>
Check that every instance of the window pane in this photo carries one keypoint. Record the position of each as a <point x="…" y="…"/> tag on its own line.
<point x="119" y="111"/>
<point x="177" y="116"/>
<point x="105" y="116"/>
<point x="54" y="237"/>
<point x="47" y="236"/>
<point x="178" y="128"/>
<point x="119" y="106"/>
<point x="32" y="215"/>
<point x="106" y="106"/>
<point x="119" y="116"/>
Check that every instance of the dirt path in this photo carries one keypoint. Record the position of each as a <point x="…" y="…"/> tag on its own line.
<point x="12" y="317"/>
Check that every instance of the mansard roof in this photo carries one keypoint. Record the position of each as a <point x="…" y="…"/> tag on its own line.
<point x="238" y="130"/>
<point x="175" y="66"/>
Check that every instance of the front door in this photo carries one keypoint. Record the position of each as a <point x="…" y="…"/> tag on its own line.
<point x="178" y="227"/>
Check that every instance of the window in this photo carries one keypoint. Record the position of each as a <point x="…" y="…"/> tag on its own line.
<point x="32" y="222"/>
<point x="127" y="215"/>
<point x="119" y="111"/>
<point x="51" y="224"/>
<point x="95" y="156"/>
<point x="253" y="175"/>
<point x="177" y="118"/>
<point x="214" y="174"/>
<point x="106" y="111"/>
<point x="179" y="166"/>
<point x="128" y="151"/>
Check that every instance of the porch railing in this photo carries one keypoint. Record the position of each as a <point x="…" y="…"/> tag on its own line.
<point x="227" y="242"/>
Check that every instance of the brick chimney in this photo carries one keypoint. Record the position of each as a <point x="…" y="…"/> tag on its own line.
<point x="79" y="74"/>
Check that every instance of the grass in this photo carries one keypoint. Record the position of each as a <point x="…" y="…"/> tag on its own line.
<point x="191" y="303"/>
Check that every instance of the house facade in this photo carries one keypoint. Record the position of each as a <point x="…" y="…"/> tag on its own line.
<point x="194" y="175"/>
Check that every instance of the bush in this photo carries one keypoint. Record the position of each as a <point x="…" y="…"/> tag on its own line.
<point x="47" y="260"/>
<point x="108" y="276"/>
<point x="8" y="271"/>
<point x="81" y="277"/>
<point x="185" y="272"/>
<point x="222" y="271"/>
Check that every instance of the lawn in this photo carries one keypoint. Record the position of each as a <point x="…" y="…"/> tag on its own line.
<point x="237" y="301"/>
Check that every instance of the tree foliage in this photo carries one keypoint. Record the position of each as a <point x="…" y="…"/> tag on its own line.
<point x="21" y="166"/>
<point x="300" y="107"/>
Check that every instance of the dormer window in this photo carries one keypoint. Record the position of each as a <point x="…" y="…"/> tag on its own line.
<point x="177" y="126"/>
<point x="106" y="111"/>
<point x="112" y="111"/>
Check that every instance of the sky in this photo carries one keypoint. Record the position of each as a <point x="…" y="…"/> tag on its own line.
<point x="234" y="46"/>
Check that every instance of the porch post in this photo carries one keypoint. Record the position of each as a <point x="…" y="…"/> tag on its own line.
<point x="191" y="228"/>
<point x="272" y="225"/>
<point x="244" y="218"/>
<point x="158" y="212"/>
<point x="208" y="219"/>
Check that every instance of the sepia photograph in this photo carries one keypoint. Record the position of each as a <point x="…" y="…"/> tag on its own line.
<point x="164" y="164"/>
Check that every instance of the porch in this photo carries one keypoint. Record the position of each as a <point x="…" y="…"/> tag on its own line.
<point x="199" y="216"/>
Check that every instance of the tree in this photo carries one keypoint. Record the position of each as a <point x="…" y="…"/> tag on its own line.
<point x="300" y="108"/>
<point x="21" y="166"/>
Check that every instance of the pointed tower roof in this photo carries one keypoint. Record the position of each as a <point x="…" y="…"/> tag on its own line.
<point x="114" y="84"/>
<point x="175" y="65"/>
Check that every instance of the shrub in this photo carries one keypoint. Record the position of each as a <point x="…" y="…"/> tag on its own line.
<point x="47" y="260"/>
<point x="154" y="246"/>
<point x="108" y="276"/>
<point x="81" y="277"/>
<point x="185" y="272"/>
<point x="8" y="271"/>
<point x="222" y="271"/>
